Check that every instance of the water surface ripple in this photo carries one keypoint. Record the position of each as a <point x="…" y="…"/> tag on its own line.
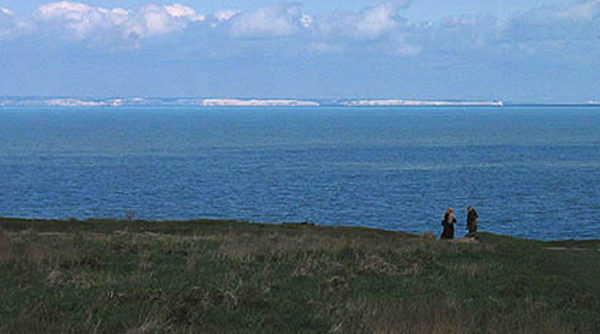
<point x="530" y="171"/>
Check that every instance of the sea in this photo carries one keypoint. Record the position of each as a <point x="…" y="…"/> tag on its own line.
<point x="529" y="171"/>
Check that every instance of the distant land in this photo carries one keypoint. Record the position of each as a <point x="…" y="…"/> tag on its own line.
<point x="246" y="102"/>
<point x="257" y="103"/>
<point x="399" y="103"/>
<point x="224" y="102"/>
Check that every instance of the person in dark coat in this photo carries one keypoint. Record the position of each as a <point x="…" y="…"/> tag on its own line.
<point x="472" y="217"/>
<point x="448" y="222"/>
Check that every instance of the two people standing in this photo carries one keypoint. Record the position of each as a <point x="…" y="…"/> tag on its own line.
<point x="448" y="221"/>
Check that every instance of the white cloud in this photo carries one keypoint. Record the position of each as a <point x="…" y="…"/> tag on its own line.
<point x="5" y="11"/>
<point x="271" y="21"/>
<point x="160" y="20"/>
<point x="157" y="20"/>
<point x="378" y="28"/>
<point x="181" y="11"/>
<point x="225" y="14"/>
<point x="122" y="27"/>
<point x="464" y="33"/>
<point x="10" y="25"/>
<point x="82" y="21"/>
<point x="555" y="26"/>
<point x="575" y="13"/>
<point x="306" y="20"/>
<point x="401" y="47"/>
<point x="370" y="24"/>
<point x="378" y="20"/>
<point x="581" y="11"/>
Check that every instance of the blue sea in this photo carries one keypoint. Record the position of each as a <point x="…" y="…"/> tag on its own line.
<point x="530" y="171"/>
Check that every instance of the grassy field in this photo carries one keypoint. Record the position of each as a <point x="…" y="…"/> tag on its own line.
<point x="233" y="277"/>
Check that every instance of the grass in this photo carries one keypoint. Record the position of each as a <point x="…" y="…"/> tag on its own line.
<point x="110" y="276"/>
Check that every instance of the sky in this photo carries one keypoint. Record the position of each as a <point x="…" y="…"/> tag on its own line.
<point x="511" y="50"/>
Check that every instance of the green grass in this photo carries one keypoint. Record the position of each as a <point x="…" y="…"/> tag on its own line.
<point x="104" y="276"/>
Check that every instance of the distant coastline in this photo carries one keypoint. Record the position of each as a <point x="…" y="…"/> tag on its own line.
<point x="228" y="102"/>
<point x="410" y="103"/>
<point x="94" y="102"/>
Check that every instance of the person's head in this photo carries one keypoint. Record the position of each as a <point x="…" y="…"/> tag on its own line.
<point x="469" y="208"/>
<point x="449" y="210"/>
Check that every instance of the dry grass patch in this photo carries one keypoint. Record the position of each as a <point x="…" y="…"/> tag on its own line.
<point x="378" y="265"/>
<point x="418" y="316"/>
<point x="471" y="270"/>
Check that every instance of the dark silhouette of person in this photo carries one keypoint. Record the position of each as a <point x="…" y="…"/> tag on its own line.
<point x="472" y="217"/>
<point x="448" y="222"/>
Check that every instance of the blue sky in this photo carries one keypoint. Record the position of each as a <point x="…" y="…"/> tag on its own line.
<point x="513" y="50"/>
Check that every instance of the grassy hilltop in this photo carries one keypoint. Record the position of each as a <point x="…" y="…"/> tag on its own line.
<point x="234" y="277"/>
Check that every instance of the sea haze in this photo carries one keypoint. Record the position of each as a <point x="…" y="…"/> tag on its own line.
<point x="530" y="171"/>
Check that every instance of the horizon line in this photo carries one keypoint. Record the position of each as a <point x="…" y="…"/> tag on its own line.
<point x="340" y="101"/>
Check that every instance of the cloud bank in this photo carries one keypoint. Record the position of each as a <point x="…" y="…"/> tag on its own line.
<point x="117" y="27"/>
<point x="274" y="21"/>
<point x="380" y="27"/>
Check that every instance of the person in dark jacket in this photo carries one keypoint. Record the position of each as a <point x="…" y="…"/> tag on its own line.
<point x="448" y="222"/>
<point x="472" y="217"/>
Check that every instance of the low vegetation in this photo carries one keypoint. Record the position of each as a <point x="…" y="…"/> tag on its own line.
<point x="233" y="277"/>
